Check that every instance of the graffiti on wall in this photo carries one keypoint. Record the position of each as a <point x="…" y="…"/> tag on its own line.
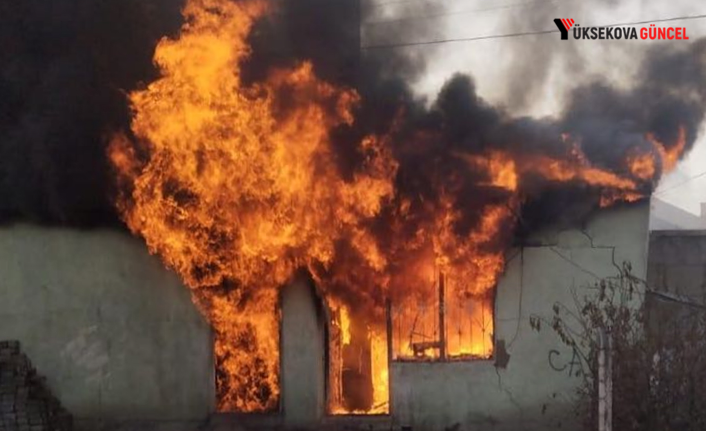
<point x="569" y="363"/>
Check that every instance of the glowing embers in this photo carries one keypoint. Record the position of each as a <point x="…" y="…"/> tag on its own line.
<point x="443" y="321"/>
<point x="358" y="364"/>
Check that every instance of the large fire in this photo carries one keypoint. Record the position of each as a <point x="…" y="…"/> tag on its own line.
<point x="237" y="186"/>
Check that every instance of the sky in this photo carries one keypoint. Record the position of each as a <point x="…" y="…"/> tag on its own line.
<point x="530" y="75"/>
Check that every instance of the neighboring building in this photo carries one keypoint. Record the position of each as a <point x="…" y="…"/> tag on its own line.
<point x="118" y="338"/>
<point x="676" y="272"/>
<point x="675" y="304"/>
<point x="665" y="216"/>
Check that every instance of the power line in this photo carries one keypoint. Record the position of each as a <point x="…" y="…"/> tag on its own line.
<point x="396" y="2"/>
<point x="676" y="186"/>
<point x="528" y="33"/>
<point x="377" y="5"/>
<point x="464" y="39"/>
<point x="461" y="12"/>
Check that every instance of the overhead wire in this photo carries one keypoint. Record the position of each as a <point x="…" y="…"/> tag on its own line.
<point x="511" y="35"/>
<point x="520" y="34"/>
<point x="452" y="13"/>
<point x="396" y="2"/>
<point x="679" y="185"/>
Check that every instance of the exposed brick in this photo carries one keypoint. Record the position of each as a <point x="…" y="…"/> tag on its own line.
<point x="26" y="403"/>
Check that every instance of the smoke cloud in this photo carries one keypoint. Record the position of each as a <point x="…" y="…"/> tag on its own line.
<point x="245" y="167"/>
<point x="65" y="69"/>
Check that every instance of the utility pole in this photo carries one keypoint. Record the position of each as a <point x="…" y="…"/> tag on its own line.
<point x="605" y="381"/>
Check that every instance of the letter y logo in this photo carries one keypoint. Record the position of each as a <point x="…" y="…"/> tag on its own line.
<point x="564" y="25"/>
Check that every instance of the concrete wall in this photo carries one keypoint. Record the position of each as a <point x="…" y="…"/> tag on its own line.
<point x="536" y="390"/>
<point x="303" y="353"/>
<point x="115" y="333"/>
<point x="665" y="216"/>
<point x="118" y="337"/>
<point x="676" y="276"/>
<point x="677" y="263"/>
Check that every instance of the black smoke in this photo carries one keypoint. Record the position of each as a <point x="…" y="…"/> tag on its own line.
<point x="429" y="139"/>
<point x="610" y="123"/>
<point x="64" y="69"/>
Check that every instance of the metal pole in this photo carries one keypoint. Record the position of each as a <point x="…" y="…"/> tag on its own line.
<point x="601" y="382"/>
<point x="609" y="382"/>
<point x="388" y="324"/>
<point x="605" y="384"/>
<point x="442" y="323"/>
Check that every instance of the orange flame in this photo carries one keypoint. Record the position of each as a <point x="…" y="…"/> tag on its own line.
<point x="357" y="351"/>
<point x="669" y="156"/>
<point x="221" y="157"/>
<point x="642" y="166"/>
<point x="236" y="187"/>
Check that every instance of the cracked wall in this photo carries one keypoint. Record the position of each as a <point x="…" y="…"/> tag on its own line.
<point x="535" y="389"/>
<point x="116" y="334"/>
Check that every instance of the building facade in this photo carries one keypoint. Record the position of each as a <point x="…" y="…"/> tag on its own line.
<point x="119" y="340"/>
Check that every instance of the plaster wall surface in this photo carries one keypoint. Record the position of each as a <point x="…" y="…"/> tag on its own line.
<point x="118" y="337"/>
<point x="677" y="262"/>
<point x="116" y="334"/>
<point x="302" y="355"/>
<point x="536" y="389"/>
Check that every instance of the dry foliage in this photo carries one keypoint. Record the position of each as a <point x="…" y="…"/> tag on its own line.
<point x="658" y="346"/>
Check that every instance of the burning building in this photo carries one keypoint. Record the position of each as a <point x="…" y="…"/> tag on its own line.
<point x="351" y="253"/>
<point x="119" y="339"/>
